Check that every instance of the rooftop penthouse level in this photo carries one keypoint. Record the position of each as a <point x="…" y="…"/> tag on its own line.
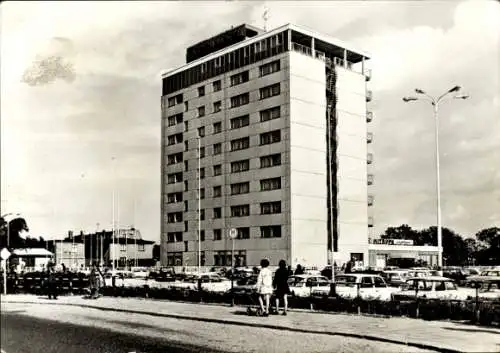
<point x="241" y="47"/>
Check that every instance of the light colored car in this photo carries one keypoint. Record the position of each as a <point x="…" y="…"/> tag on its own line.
<point x="395" y="278"/>
<point x="367" y="286"/>
<point x="210" y="282"/>
<point x="305" y="285"/>
<point x="432" y="287"/>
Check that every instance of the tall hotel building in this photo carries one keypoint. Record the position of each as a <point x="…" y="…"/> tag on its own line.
<point x="266" y="133"/>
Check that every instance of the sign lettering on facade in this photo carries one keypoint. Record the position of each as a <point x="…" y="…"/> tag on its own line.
<point x="407" y="242"/>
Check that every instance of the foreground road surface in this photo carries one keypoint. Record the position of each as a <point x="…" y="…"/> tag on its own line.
<point x="34" y="328"/>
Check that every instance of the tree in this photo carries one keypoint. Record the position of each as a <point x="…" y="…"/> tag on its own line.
<point x="402" y="232"/>
<point x="489" y="240"/>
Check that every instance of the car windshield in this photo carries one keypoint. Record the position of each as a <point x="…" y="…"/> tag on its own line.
<point x="295" y="281"/>
<point x="349" y="281"/>
<point x="421" y="285"/>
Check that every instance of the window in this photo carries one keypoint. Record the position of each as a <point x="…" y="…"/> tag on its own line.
<point x="202" y="173"/>
<point x="270" y="184"/>
<point x="217" y="106"/>
<point x="217" y="169"/>
<point x="271" y="160"/>
<point x="175" y="100"/>
<point x="240" y="166"/>
<point x="186" y="145"/>
<point x="186" y="226"/>
<point x="173" y="237"/>
<point x="186" y="125"/>
<point x="202" y="235"/>
<point x="174" y="178"/>
<point x="379" y="282"/>
<point x="202" y="193"/>
<point x="270" y="207"/>
<point x="186" y="165"/>
<point x="174" y="197"/>
<point x="240" y="144"/>
<point x="217" y="234"/>
<point x="240" y="211"/>
<point x="217" y="85"/>
<point x="185" y="185"/>
<point x="240" y="121"/>
<point x="240" y="100"/>
<point x="243" y="233"/>
<point x="186" y="106"/>
<point x="201" y="91"/>
<point x="269" y="68"/>
<point x="174" y="259"/>
<point x="217" y="148"/>
<point x="270" y="91"/>
<point x="240" y="188"/>
<point x="269" y="114"/>
<point x="217" y="191"/>
<point x="217" y="128"/>
<point x="123" y="247"/>
<point x="174" y="139"/>
<point x="175" y="119"/>
<point x="201" y="131"/>
<point x="202" y="152"/>
<point x="239" y="78"/>
<point x="270" y="137"/>
<point x="217" y="212"/>
<point x="185" y="206"/>
<point x="366" y="282"/>
<point x="201" y="111"/>
<point x="174" y="217"/>
<point x="174" y="158"/>
<point x="202" y="215"/>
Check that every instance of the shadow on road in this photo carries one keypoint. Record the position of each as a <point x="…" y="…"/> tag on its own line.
<point x="56" y="337"/>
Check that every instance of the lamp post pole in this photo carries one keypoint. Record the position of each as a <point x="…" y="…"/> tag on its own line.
<point x="435" y="106"/>
<point x="199" y="203"/>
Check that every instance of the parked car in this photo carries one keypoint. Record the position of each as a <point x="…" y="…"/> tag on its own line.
<point x="367" y="286"/>
<point x="455" y="273"/>
<point x="245" y="286"/>
<point x="210" y="282"/>
<point x="305" y="285"/>
<point x="487" y="286"/>
<point x="432" y="287"/>
<point x="395" y="278"/>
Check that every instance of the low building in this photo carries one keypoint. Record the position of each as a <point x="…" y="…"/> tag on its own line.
<point x="130" y="252"/>
<point x="385" y="252"/>
<point x="35" y="258"/>
<point x="67" y="252"/>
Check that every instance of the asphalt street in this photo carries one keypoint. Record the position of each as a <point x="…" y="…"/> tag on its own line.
<point x="34" y="328"/>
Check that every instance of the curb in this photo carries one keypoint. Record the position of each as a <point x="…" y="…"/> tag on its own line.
<point x="250" y="324"/>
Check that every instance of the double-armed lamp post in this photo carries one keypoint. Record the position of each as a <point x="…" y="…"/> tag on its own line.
<point x="423" y="96"/>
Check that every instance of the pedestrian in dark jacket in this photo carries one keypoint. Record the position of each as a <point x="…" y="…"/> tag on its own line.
<point x="52" y="289"/>
<point x="280" y="284"/>
<point x="299" y="270"/>
<point x="96" y="278"/>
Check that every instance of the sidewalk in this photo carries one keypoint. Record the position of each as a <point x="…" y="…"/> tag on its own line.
<point x="435" y="335"/>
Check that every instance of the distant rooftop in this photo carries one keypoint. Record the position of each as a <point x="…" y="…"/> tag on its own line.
<point x="221" y="41"/>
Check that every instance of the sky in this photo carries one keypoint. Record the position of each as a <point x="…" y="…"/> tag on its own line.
<point x="81" y="87"/>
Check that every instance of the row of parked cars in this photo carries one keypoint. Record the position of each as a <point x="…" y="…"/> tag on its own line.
<point x="397" y="284"/>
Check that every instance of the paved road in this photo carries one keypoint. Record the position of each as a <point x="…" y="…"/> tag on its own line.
<point x="34" y="328"/>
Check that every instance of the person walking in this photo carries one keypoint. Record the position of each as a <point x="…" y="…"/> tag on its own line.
<point x="280" y="283"/>
<point x="96" y="277"/>
<point x="265" y="286"/>
<point x="51" y="281"/>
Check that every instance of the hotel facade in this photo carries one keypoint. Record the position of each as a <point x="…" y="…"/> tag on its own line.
<point x="266" y="133"/>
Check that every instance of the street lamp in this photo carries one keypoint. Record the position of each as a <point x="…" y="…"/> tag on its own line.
<point x="435" y="105"/>
<point x="113" y="159"/>
<point x="198" y="137"/>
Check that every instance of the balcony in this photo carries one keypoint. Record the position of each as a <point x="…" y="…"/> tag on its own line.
<point x="370" y="221"/>
<point x="369" y="117"/>
<point x="369" y="179"/>
<point x="371" y="198"/>
<point x="368" y="74"/>
<point x="369" y="158"/>
<point x="369" y="95"/>
<point x="369" y="137"/>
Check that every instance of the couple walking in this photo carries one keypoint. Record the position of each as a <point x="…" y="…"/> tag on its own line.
<point x="266" y="285"/>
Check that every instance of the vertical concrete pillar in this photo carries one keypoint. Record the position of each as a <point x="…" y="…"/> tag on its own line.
<point x="345" y="59"/>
